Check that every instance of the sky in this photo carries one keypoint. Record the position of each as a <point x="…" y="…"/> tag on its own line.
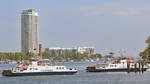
<point x="107" y="25"/>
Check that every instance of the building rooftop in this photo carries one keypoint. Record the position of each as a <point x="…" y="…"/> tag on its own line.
<point x="30" y="11"/>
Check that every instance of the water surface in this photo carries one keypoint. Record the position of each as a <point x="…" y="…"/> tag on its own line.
<point x="82" y="77"/>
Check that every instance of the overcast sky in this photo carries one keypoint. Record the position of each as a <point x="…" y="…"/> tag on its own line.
<point x="104" y="24"/>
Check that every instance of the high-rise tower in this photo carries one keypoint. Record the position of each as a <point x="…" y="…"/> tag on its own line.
<point x="29" y="31"/>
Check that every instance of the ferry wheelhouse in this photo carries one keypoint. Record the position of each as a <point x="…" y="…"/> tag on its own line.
<point x="116" y="66"/>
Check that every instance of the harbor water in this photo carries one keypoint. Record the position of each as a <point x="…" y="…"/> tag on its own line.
<point x="82" y="77"/>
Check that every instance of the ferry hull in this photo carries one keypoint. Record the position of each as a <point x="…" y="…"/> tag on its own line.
<point x="114" y="70"/>
<point x="39" y="73"/>
<point x="111" y="70"/>
<point x="43" y="73"/>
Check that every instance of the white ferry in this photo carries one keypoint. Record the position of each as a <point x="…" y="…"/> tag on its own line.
<point x="38" y="66"/>
<point x="34" y="68"/>
<point x="122" y="65"/>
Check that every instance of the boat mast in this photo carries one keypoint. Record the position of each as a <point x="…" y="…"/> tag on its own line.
<point x="121" y="53"/>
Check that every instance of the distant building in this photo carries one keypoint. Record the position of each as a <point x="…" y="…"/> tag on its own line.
<point x="58" y="52"/>
<point x="29" y="31"/>
<point x="86" y="50"/>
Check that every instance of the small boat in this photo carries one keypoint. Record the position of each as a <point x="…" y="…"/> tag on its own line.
<point x="122" y="65"/>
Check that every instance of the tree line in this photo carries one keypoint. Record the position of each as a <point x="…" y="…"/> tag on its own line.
<point x="22" y="56"/>
<point x="15" y="56"/>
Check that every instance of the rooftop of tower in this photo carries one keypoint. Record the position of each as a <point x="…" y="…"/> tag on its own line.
<point x="30" y="11"/>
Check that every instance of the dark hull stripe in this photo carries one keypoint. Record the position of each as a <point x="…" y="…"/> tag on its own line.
<point x="43" y="73"/>
<point x="111" y="70"/>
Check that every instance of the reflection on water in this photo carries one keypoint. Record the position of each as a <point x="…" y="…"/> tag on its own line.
<point x="82" y="77"/>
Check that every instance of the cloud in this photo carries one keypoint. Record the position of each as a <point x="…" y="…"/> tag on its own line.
<point x="126" y="13"/>
<point x="115" y="9"/>
<point x="93" y="13"/>
<point x="107" y="9"/>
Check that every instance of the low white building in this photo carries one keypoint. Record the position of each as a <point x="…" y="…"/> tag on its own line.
<point x="88" y="50"/>
<point x="57" y="51"/>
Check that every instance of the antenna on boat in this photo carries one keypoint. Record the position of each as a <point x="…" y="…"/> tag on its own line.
<point x="121" y="53"/>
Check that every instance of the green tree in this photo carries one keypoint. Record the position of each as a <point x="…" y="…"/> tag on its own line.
<point x="146" y="53"/>
<point x="1" y="55"/>
<point x="97" y="55"/>
<point x="46" y="55"/>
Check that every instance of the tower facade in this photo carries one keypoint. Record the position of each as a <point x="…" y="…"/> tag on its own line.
<point x="29" y="31"/>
